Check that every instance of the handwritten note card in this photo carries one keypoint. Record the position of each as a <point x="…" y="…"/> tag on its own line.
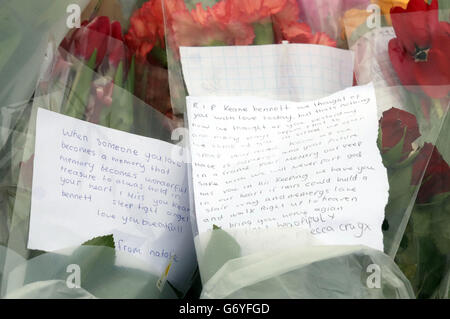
<point x="89" y="180"/>
<point x="295" y="72"/>
<point x="260" y="163"/>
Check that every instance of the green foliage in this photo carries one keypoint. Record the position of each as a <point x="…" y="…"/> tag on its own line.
<point x="395" y="154"/>
<point x="263" y="33"/>
<point x="107" y="241"/>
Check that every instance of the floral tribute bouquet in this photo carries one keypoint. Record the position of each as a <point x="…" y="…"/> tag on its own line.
<point x="414" y="68"/>
<point x="418" y="55"/>
<point x="87" y="73"/>
<point x="212" y="23"/>
<point x="412" y="139"/>
<point x="121" y="69"/>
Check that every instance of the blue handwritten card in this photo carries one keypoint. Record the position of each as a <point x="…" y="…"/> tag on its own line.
<point x="90" y="180"/>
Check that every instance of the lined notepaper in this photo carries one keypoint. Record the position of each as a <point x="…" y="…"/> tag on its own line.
<point x="269" y="164"/>
<point x="296" y="72"/>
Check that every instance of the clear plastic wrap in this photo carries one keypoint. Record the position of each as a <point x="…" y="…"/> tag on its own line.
<point x="231" y="270"/>
<point x="89" y="75"/>
<point x="133" y="80"/>
<point x="419" y="242"/>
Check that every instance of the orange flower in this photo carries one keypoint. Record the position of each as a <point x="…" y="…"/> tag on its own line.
<point x="227" y="22"/>
<point x="297" y="32"/>
<point x="200" y="27"/>
<point x="289" y="13"/>
<point x="146" y="29"/>
<point x="250" y="11"/>
<point x="287" y="27"/>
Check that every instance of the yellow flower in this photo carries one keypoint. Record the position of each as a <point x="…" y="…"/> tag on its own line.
<point x="387" y="5"/>
<point x="351" y="20"/>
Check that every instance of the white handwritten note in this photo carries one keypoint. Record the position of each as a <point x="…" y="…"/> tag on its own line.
<point x="260" y="163"/>
<point x="89" y="180"/>
<point x="295" y="72"/>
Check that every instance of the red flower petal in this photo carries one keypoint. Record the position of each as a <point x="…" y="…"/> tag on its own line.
<point x="415" y="24"/>
<point x="297" y="32"/>
<point x="323" y="39"/>
<point x="403" y="63"/>
<point x="97" y="38"/>
<point x="393" y="125"/>
<point x="116" y="30"/>
<point x="434" y="74"/>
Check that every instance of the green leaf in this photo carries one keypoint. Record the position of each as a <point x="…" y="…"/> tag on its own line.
<point x="394" y="155"/>
<point x="400" y="181"/>
<point x="408" y="161"/>
<point x="118" y="77"/>
<point x="107" y="241"/>
<point x="379" y="139"/>
<point x="130" y="77"/>
<point x="263" y="33"/>
<point x="216" y="43"/>
<point x="160" y="55"/>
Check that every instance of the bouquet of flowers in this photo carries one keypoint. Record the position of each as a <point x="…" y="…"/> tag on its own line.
<point x="122" y="69"/>
<point x="413" y="129"/>
<point x="420" y="43"/>
<point x="86" y="73"/>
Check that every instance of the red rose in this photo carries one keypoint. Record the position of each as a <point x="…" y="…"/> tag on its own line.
<point x="116" y="47"/>
<point x="396" y="125"/>
<point x="436" y="179"/>
<point x="99" y="34"/>
<point x="420" y="52"/>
